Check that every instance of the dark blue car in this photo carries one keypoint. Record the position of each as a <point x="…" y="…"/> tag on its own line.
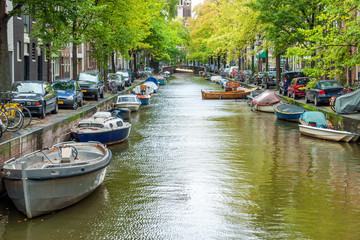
<point x="69" y="93"/>
<point x="323" y="91"/>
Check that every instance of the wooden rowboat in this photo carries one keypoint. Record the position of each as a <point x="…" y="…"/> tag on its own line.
<point x="328" y="134"/>
<point x="222" y="95"/>
<point x="236" y="94"/>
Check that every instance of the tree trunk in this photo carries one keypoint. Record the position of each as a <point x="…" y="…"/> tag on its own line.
<point x="134" y="60"/>
<point x="74" y="62"/>
<point x="113" y="62"/>
<point x="267" y="60"/>
<point x="278" y="59"/>
<point x="5" y="78"/>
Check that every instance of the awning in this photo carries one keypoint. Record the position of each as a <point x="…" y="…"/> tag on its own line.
<point x="261" y="55"/>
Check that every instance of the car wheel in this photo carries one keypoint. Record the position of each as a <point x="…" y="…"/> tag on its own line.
<point x="56" y="109"/>
<point x="306" y="99"/>
<point x="75" y="105"/>
<point x="294" y="96"/>
<point x="96" y="96"/>
<point x="316" y="102"/>
<point x="102" y="94"/>
<point x="43" y="112"/>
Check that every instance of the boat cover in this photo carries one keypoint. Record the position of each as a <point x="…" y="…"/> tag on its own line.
<point x="266" y="98"/>
<point x="152" y="85"/>
<point x="316" y="117"/>
<point x="348" y="103"/>
<point x="289" y="108"/>
<point x="152" y="79"/>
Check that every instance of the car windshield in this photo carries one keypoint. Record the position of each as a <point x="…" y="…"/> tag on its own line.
<point x="303" y="81"/>
<point x="272" y="74"/>
<point x="330" y="84"/>
<point x="113" y="77"/>
<point x="88" y="77"/>
<point x="27" y="88"/>
<point x="295" y="75"/>
<point x="125" y="74"/>
<point x="67" y="86"/>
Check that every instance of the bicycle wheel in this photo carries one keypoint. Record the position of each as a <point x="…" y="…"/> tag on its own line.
<point x="15" y="119"/>
<point x="27" y="117"/>
<point x="3" y="121"/>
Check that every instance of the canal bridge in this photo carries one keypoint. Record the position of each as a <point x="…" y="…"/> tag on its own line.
<point x="185" y="68"/>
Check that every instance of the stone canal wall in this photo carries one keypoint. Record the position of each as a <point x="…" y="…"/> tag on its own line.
<point x="56" y="130"/>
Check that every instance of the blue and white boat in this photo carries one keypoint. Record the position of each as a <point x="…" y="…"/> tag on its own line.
<point x="288" y="112"/>
<point x="161" y="79"/>
<point x="103" y="127"/>
<point x="152" y="79"/>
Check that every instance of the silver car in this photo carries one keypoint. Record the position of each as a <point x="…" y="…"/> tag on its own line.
<point x="118" y="79"/>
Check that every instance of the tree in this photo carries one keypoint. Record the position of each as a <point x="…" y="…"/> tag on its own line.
<point x="29" y="7"/>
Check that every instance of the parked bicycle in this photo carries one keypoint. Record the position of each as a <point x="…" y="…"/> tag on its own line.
<point x="13" y="116"/>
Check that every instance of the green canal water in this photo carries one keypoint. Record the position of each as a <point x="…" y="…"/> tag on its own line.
<point x="210" y="169"/>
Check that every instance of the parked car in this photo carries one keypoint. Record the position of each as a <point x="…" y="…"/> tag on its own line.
<point x="323" y="91"/>
<point x="268" y="80"/>
<point x="234" y="72"/>
<point x="259" y="77"/>
<point x="149" y="70"/>
<point x="286" y="79"/>
<point x="38" y="96"/>
<point x="225" y="72"/>
<point x="294" y="89"/>
<point x="92" y="84"/>
<point x="126" y="76"/>
<point x="132" y="75"/>
<point x="231" y="71"/>
<point x="118" y="79"/>
<point x="69" y="93"/>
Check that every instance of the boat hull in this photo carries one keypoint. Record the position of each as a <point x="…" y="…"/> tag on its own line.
<point x="105" y="137"/>
<point x="264" y="108"/>
<point x="131" y="106"/>
<point x="162" y="81"/>
<point x="50" y="195"/>
<point x="327" y="134"/>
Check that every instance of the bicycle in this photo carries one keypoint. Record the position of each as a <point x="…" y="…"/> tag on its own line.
<point x="17" y="115"/>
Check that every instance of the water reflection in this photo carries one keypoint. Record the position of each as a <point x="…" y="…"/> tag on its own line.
<point x="196" y="169"/>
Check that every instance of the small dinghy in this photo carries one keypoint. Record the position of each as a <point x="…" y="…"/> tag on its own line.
<point x="48" y="180"/>
<point x="104" y="127"/>
<point x="314" y="124"/>
<point x="144" y="93"/>
<point x="288" y="112"/>
<point x="129" y="101"/>
<point x="265" y="101"/>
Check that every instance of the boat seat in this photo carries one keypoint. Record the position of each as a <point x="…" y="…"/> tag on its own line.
<point x="67" y="155"/>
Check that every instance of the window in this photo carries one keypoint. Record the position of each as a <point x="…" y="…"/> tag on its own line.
<point x="19" y="51"/>
<point x="26" y="24"/>
<point x="119" y="123"/>
<point x="33" y="49"/>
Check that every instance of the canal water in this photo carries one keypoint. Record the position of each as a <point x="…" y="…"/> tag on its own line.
<point x="210" y="169"/>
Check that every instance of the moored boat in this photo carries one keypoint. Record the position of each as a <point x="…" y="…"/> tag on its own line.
<point x="129" y="101"/>
<point x="103" y="127"/>
<point x="161" y="79"/>
<point x="264" y="102"/>
<point x="144" y="99"/>
<point x="288" y="112"/>
<point x="314" y="124"/>
<point x="222" y="95"/>
<point x="231" y="85"/>
<point x="48" y="180"/>
<point x="123" y="113"/>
